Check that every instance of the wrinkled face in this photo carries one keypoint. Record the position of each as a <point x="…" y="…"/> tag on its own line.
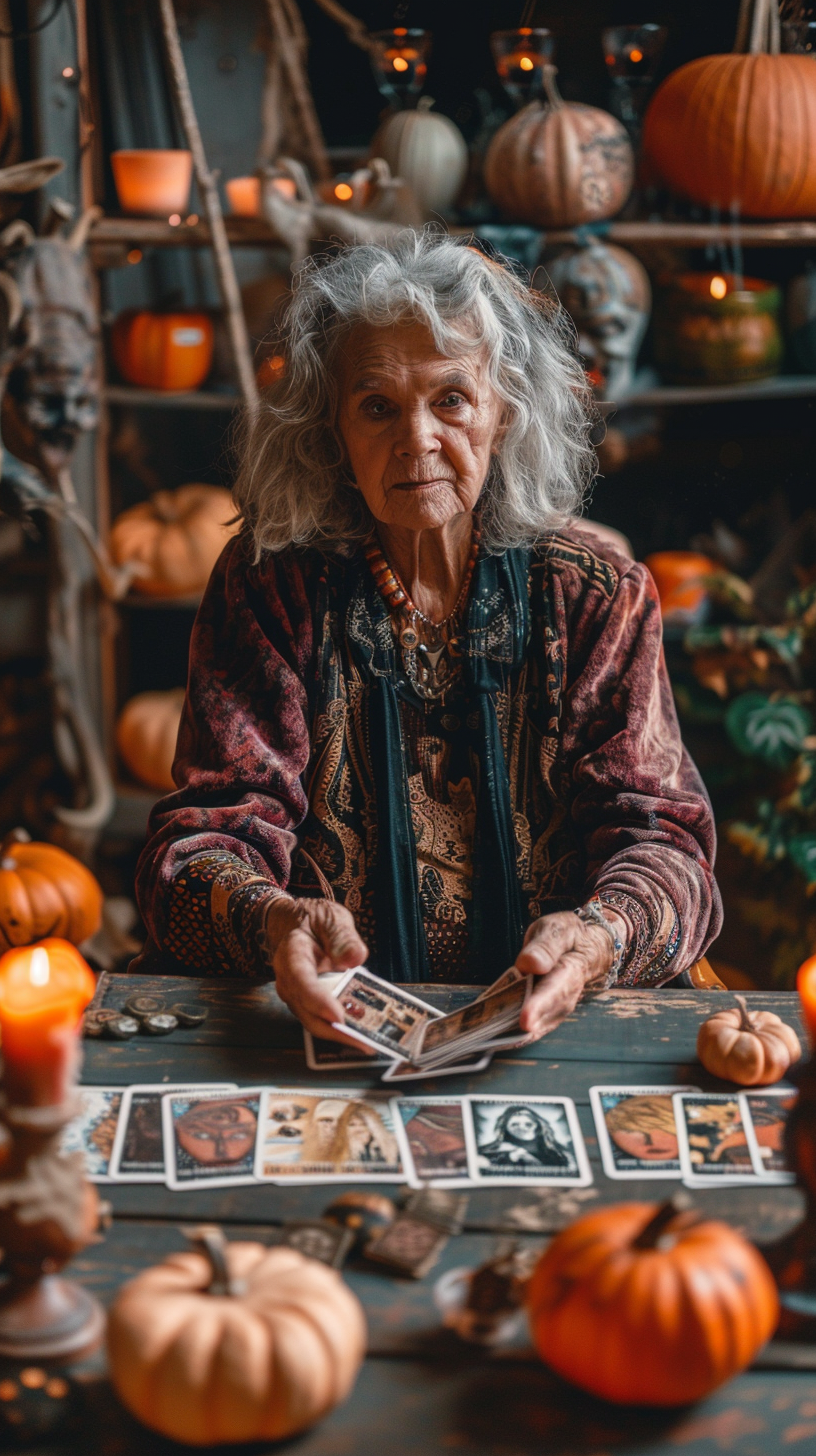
<point x="222" y="1132"/>
<point x="653" y="1145"/>
<point x="522" y="1125"/>
<point x="419" y="428"/>
<point x="327" y="1114"/>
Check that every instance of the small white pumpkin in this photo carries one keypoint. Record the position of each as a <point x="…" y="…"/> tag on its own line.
<point x="428" y="151"/>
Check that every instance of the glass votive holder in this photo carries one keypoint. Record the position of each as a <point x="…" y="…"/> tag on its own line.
<point x="244" y="194"/>
<point x="520" y="57"/>
<point x="632" y="54"/>
<point x="153" y="182"/>
<point x="799" y="37"/>
<point x="399" y="60"/>
<point x="715" y="328"/>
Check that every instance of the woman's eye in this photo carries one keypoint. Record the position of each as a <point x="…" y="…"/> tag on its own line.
<point x="452" y="400"/>
<point x="378" y="408"/>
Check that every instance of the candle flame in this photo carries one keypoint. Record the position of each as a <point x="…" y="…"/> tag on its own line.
<point x="39" y="970"/>
<point x="343" y="192"/>
<point x="400" y="63"/>
<point x="636" y="56"/>
<point x="526" y="64"/>
<point x="718" y="287"/>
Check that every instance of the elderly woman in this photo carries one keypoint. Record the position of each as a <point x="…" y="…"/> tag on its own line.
<point x="428" y="724"/>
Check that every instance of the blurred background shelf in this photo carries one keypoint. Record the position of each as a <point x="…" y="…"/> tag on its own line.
<point x="199" y="399"/>
<point x="782" y="386"/>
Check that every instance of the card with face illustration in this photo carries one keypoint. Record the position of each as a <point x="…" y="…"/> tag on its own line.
<point x="209" y="1137"/>
<point x="765" y="1114"/>
<point x="138" y="1149"/>
<point x="327" y="1135"/>
<point x="712" y="1139"/>
<point x="431" y="1134"/>
<point x="521" y="1141"/>
<point x="379" y="1015"/>
<point x="93" y="1131"/>
<point x="637" y="1131"/>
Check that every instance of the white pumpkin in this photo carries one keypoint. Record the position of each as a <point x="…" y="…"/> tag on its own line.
<point x="428" y="151"/>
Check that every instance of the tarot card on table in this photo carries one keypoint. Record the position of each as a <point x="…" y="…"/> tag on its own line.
<point x="765" y="1114"/>
<point x="93" y="1130"/>
<point x="327" y="1135"/>
<point x="513" y="1141"/>
<point x="379" y="1015"/>
<point x="637" y="1131"/>
<point x="431" y="1133"/>
<point x="330" y="1056"/>
<point x="209" y="1137"/>
<point x="138" y="1149"/>
<point x="711" y="1139"/>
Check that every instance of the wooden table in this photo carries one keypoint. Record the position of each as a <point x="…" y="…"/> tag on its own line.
<point x="421" y="1392"/>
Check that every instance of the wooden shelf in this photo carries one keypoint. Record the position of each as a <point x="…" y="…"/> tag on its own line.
<point x="253" y="232"/>
<point x="198" y="399"/>
<point x="160" y="604"/>
<point x="782" y="386"/>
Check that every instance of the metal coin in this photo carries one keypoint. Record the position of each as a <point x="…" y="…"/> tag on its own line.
<point x="122" y="1028"/>
<point x="94" y="1022"/>
<point x="159" y="1025"/>
<point x="188" y="1014"/>
<point x="143" y="1005"/>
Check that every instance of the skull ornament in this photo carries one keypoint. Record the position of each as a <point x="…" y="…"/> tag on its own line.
<point x="606" y="291"/>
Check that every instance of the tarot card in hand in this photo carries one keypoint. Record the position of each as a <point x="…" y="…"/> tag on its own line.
<point x="514" y="1141"/>
<point x="431" y="1133"/>
<point x="93" y="1130"/>
<point x="711" y="1139"/>
<point x="331" y="1056"/>
<point x="138" y="1149"/>
<point x="765" y="1114"/>
<point x="637" y="1131"/>
<point x="485" y="1024"/>
<point x="209" y="1137"/>
<point x="327" y="1135"/>
<point x="379" y="1015"/>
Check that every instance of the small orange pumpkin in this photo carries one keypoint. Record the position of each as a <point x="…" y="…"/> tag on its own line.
<point x="560" y="164"/>
<point x="168" y="351"/>
<point x="650" y="1306"/>
<point x="754" y="1048"/>
<point x="44" y="892"/>
<point x="175" y="538"/>
<point x="146" y="734"/>
<point x="236" y="1343"/>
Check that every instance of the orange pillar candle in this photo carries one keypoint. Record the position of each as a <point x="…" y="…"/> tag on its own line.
<point x="806" y="986"/>
<point x="44" y="990"/>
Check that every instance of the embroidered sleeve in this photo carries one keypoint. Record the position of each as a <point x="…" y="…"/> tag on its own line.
<point x="642" y="809"/>
<point x="221" y="844"/>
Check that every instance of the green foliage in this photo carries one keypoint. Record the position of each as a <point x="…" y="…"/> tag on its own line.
<point x="772" y="729"/>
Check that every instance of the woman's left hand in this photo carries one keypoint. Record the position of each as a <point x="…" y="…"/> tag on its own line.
<point x="567" y="954"/>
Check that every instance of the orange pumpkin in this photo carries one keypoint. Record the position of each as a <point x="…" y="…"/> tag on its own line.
<point x="146" y="736"/>
<point x="560" y="164"/>
<point x="238" y="1343"/>
<point x="167" y="351"/>
<point x="739" y="131"/>
<point x="650" y="1306"/>
<point x="44" y="892"/>
<point x="754" y="1048"/>
<point x="678" y="576"/>
<point x="175" y="538"/>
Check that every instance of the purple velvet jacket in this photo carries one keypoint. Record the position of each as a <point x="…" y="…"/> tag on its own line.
<point x="275" y="787"/>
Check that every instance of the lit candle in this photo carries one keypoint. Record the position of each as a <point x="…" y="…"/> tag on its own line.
<point x="244" y="194"/>
<point x="806" y="986"/>
<point x="44" y="990"/>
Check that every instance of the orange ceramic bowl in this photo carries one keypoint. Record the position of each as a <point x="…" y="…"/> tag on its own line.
<point x="154" y="183"/>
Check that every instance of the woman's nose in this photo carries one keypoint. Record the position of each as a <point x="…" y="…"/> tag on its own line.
<point x="418" y="434"/>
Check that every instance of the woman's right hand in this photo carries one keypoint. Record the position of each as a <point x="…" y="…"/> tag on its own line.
<point x="306" y="939"/>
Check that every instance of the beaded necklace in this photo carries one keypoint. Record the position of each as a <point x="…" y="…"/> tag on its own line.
<point x="431" y="651"/>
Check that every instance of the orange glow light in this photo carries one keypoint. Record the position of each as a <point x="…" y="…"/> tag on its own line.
<point x="400" y="30"/>
<point x="526" y="64"/>
<point x="718" y="287"/>
<point x="135" y="255"/>
<point x="67" y="72"/>
<point x="174" y="219"/>
<point x="192" y="219"/>
<point x="636" y="56"/>
<point x="400" y="63"/>
<point x="343" y="192"/>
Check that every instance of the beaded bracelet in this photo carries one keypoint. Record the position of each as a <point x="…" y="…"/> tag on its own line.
<point x="592" y="914"/>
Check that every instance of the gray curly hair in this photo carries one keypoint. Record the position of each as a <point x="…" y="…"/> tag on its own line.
<point x="294" y="487"/>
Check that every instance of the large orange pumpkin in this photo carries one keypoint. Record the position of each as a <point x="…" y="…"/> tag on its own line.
<point x="167" y="351"/>
<point x="649" y="1306"/>
<point x="243" y="1344"/>
<point x="44" y="892"/>
<point x="175" y="538"/>
<point x="146" y="736"/>
<point x="559" y="164"/>
<point x="739" y="131"/>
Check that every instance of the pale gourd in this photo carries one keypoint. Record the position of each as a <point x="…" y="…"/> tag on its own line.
<point x="753" y="1048"/>
<point x="427" y="150"/>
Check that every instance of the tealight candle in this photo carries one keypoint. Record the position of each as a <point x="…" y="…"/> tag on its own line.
<point x="806" y="986"/>
<point x="44" y="990"/>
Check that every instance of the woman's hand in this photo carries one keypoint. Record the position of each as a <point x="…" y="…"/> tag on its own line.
<point x="308" y="938"/>
<point x="568" y="954"/>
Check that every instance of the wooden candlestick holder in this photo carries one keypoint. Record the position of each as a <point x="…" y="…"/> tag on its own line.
<point x="793" y="1258"/>
<point x="48" y="1212"/>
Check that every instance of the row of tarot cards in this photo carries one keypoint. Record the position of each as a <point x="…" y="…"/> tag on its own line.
<point x="412" y="1039"/>
<point x="204" y="1137"/>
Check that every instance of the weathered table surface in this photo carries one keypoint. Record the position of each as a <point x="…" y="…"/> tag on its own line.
<point x="421" y="1392"/>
